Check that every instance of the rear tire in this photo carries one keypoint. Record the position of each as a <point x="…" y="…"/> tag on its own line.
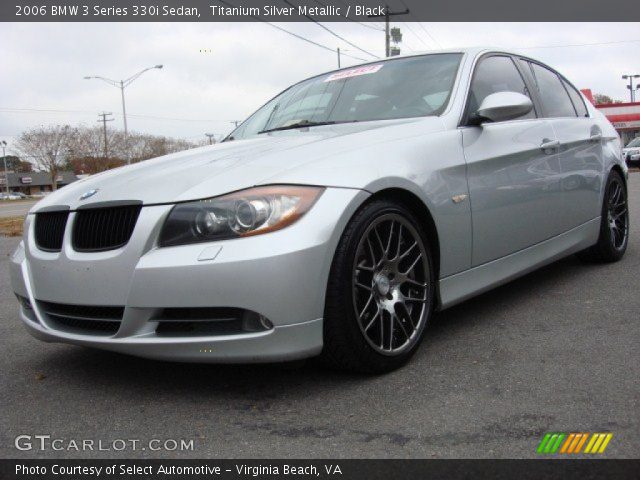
<point x="614" y="226"/>
<point x="380" y="293"/>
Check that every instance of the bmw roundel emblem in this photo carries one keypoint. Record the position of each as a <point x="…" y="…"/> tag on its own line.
<point x="88" y="194"/>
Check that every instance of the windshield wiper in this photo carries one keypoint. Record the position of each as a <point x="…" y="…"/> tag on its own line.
<point x="300" y="124"/>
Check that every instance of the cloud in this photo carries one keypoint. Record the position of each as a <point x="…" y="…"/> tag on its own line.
<point x="218" y="72"/>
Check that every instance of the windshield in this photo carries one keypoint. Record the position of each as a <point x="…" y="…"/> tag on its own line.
<point x="634" y="143"/>
<point x="400" y="88"/>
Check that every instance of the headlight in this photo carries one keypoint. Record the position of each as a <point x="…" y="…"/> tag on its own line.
<point x="240" y="214"/>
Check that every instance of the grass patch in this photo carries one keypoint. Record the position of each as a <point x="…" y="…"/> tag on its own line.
<point x="11" y="226"/>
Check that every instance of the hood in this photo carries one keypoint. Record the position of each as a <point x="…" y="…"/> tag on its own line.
<point x="218" y="169"/>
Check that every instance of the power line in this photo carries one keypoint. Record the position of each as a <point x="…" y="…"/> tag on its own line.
<point x="616" y="42"/>
<point x="310" y="41"/>
<point x="332" y="32"/>
<point x="154" y="117"/>
<point x="300" y="37"/>
<point x="40" y="110"/>
<point x="89" y="112"/>
<point x="415" y="34"/>
<point x="372" y="27"/>
<point x="421" y="26"/>
<point x="429" y="35"/>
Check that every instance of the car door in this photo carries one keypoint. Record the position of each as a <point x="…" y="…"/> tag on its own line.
<point x="512" y="168"/>
<point x="580" y="149"/>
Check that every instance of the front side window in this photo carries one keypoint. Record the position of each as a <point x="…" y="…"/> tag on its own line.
<point x="496" y="74"/>
<point x="554" y="97"/>
<point x="400" y="88"/>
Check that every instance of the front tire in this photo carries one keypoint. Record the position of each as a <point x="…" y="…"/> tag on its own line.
<point x="614" y="226"/>
<point x="380" y="294"/>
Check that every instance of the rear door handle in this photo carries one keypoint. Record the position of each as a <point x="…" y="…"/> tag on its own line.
<point x="549" y="144"/>
<point x="596" y="137"/>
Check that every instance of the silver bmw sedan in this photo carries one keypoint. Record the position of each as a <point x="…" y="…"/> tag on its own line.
<point x="335" y="220"/>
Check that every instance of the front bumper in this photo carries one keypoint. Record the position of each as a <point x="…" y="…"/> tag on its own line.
<point x="281" y="275"/>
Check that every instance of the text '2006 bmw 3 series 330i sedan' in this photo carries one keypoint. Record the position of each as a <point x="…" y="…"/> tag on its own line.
<point x="335" y="220"/>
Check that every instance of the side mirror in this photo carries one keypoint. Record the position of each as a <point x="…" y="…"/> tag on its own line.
<point x="502" y="106"/>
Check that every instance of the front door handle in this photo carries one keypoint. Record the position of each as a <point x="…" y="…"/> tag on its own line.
<point x="596" y="137"/>
<point x="549" y="144"/>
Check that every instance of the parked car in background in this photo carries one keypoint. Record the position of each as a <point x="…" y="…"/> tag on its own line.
<point x="632" y="152"/>
<point x="9" y="196"/>
<point x="335" y="220"/>
<point x="20" y="195"/>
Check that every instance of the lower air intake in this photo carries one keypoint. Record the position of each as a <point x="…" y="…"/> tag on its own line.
<point x="209" y="321"/>
<point x="83" y="319"/>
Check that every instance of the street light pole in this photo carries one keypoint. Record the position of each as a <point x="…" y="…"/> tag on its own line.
<point x="632" y="92"/>
<point x="124" y="118"/>
<point x="122" y="84"/>
<point x="4" y="157"/>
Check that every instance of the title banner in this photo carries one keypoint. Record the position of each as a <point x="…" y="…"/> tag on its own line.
<point x="312" y="10"/>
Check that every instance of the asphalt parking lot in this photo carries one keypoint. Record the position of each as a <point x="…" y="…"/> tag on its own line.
<point x="557" y="350"/>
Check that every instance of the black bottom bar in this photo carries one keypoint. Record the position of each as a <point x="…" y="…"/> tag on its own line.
<point x="320" y="469"/>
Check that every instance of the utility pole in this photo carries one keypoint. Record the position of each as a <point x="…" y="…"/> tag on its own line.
<point x="387" y="37"/>
<point x="632" y="92"/>
<point x="338" y="57"/>
<point x="104" y="121"/>
<point x="211" y="137"/>
<point x="3" y="143"/>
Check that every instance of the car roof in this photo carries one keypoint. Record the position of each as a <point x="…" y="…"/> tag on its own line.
<point x="470" y="51"/>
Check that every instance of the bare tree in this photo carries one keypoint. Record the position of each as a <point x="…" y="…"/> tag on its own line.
<point x="47" y="148"/>
<point x="52" y="149"/>
<point x="90" y="143"/>
<point x="88" y="150"/>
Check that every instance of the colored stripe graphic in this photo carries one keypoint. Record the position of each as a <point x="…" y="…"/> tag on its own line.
<point x="598" y="443"/>
<point x="581" y="442"/>
<point x="551" y="442"/>
<point x="543" y="443"/>
<point x="607" y="439"/>
<point x="557" y="443"/>
<point x="572" y="443"/>
<point x="570" y="438"/>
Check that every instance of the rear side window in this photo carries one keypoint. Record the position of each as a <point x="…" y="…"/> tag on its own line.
<point x="555" y="99"/>
<point x="577" y="100"/>
<point x="496" y="74"/>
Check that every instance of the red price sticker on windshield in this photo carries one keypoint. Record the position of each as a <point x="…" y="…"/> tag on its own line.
<point x="354" y="72"/>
